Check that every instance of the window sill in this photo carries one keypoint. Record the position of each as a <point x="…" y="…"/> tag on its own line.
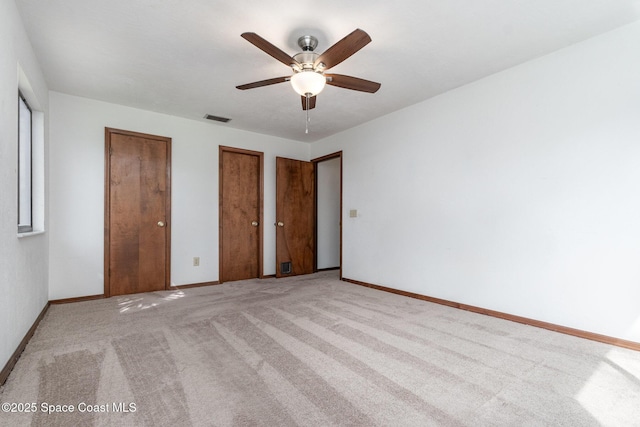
<point x="30" y="233"/>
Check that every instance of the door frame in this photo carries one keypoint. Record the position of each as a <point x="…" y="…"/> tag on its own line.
<point x="260" y="155"/>
<point x="336" y="155"/>
<point x="107" y="204"/>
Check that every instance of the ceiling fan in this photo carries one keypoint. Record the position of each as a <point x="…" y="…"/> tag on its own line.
<point x="309" y="67"/>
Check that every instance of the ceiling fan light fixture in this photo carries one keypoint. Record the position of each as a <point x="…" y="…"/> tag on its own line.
<point x="308" y="82"/>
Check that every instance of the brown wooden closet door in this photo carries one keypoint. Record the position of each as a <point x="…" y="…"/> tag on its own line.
<point x="137" y="231"/>
<point x="240" y="214"/>
<point x="295" y="217"/>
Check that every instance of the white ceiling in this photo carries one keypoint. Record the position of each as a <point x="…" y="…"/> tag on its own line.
<point x="185" y="57"/>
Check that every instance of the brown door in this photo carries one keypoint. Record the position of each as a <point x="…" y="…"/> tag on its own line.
<point x="295" y="217"/>
<point x="240" y="222"/>
<point x="137" y="212"/>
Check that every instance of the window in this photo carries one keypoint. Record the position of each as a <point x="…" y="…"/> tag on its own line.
<point x="25" y="211"/>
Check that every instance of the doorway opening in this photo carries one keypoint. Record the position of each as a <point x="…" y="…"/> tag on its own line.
<point x="328" y="212"/>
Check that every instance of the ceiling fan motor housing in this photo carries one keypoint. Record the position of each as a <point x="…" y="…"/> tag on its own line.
<point x="306" y="60"/>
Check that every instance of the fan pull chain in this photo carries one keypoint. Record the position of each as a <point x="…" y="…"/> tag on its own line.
<point x="306" y="129"/>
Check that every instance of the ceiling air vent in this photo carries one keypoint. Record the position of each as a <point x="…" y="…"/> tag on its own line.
<point x="216" y="118"/>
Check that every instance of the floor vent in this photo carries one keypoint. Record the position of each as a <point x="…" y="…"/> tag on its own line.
<point x="285" y="267"/>
<point x="216" y="118"/>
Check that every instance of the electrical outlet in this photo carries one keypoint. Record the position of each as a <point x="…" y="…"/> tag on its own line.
<point x="196" y="261"/>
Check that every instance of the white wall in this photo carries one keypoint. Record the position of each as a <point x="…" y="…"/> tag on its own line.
<point x="77" y="190"/>
<point x="23" y="261"/>
<point x="328" y="197"/>
<point x="518" y="193"/>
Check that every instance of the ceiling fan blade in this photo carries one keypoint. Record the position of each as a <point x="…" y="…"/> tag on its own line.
<point x="343" y="49"/>
<point x="312" y="102"/>
<point x="263" y="83"/>
<point x="353" y="83"/>
<point x="268" y="48"/>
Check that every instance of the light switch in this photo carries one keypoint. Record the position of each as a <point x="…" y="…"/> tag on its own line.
<point x="353" y="213"/>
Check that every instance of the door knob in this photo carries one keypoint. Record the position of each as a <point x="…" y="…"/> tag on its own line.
<point x="160" y="224"/>
<point x="280" y="224"/>
<point x="255" y="223"/>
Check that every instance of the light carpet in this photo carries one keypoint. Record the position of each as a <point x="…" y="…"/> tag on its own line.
<point x="310" y="351"/>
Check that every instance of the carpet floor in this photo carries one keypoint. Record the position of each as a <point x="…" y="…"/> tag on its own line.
<point x="309" y="351"/>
